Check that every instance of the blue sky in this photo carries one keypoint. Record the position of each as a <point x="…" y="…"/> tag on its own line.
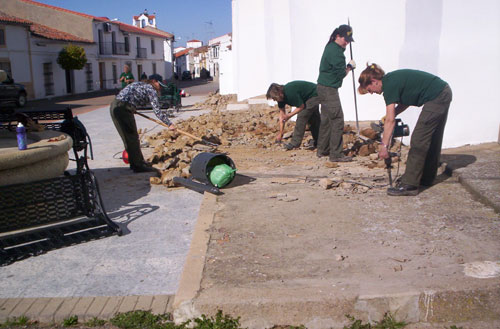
<point x="187" y="19"/>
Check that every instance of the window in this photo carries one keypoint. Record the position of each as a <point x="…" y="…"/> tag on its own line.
<point x="2" y="37"/>
<point x="115" y="74"/>
<point x="127" y="47"/>
<point x="152" y="46"/>
<point x="5" y="66"/>
<point x="154" y="68"/>
<point x="89" y="76"/>
<point x="143" y="23"/>
<point x="48" y="79"/>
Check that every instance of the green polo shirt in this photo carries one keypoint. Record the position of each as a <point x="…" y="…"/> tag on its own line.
<point x="127" y="76"/>
<point x="297" y="93"/>
<point x="411" y="87"/>
<point x="332" y="66"/>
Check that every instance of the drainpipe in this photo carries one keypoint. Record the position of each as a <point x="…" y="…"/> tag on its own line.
<point x="31" y="63"/>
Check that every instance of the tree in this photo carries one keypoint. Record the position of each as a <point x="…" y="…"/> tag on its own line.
<point x="72" y="57"/>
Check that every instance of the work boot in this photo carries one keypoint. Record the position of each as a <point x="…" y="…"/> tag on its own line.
<point x="403" y="190"/>
<point x="310" y="145"/>
<point x="341" y="159"/>
<point x="143" y="167"/>
<point x="321" y="155"/>
<point x="289" y="146"/>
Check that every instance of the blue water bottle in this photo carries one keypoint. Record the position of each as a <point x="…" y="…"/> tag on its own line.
<point x="22" y="142"/>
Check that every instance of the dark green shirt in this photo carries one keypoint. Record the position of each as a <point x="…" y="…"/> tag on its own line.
<point x="332" y="66"/>
<point x="127" y="76"/>
<point x="411" y="87"/>
<point x="297" y="93"/>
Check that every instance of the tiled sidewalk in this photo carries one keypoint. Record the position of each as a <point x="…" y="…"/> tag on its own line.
<point x="50" y="310"/>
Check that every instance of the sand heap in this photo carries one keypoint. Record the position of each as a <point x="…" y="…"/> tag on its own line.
<point x="256" y="128"/>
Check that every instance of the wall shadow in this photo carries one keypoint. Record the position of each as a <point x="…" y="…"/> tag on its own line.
<point x="119" y="188"/>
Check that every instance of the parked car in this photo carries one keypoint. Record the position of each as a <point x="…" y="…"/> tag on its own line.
<point x="186" y="75"/>
<point x="12" y="93"/>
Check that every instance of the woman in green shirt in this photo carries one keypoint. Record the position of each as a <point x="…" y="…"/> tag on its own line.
<point x="402" y="89"/>
<point x="332" y="71"/>
<point x="126" y="77"/>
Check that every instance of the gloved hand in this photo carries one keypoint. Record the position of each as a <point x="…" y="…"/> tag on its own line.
<point x="351" y="64"/>
<point x="383" y="120"/>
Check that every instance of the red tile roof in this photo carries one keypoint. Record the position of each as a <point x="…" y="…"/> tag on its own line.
<point x="182" y="53"/>
<point x="148" y="16"/>
<point x="155" y="30"/>
<point x="123" y="26"/>
<point x="194" y="41"/>
<point x="42" y="30"/>
<point x="138" y="30"/>
<point x="58" y="8"/>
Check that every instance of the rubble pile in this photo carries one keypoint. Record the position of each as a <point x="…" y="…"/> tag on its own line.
<point x="256" y="128"/>
<point x="216" y="101"/>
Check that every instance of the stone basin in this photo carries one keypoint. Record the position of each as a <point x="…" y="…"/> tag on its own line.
<point x="43" y="159"/>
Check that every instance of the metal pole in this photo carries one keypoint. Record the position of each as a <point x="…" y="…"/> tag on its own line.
<point x="354" y="86"/>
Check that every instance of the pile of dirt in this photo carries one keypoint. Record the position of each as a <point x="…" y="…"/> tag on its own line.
<point x="216" y="101"/>
<point x="255" y="129"/>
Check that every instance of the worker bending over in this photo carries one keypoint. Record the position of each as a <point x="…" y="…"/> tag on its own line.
<point x="304" y="96"/>
<point x="123" y="107"/>
<point x="404" y="88"/>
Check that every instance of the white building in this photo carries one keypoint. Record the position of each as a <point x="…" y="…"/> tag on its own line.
<point x="148" y="23"/>
<point x="194" y="44"/>
<point x="183" y="61"/>
<point x="29" y="52"/>
<point x="457" y="40"/>
<point x="108" y="46"/>
<point x="216" y="44"/>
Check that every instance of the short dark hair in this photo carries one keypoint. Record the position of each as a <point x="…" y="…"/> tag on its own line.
<point x="275" y="92"/>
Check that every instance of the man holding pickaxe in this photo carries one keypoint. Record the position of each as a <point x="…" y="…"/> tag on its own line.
<point x="123" y="107"/>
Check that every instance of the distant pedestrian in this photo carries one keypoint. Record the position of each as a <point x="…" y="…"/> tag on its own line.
<point x="304" y="96"/>
<point x="144" y="77"/>
<point x="402" y="89"/>
<point x="126" y="77"/>
<point x="332" y="71"/>
<point x="123" y="107"/>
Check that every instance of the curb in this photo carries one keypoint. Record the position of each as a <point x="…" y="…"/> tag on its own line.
<point x="50" y="310"/>
<point x="192" y="274"/>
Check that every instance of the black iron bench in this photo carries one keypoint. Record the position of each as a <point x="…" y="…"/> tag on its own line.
<point x="40" y="216"/>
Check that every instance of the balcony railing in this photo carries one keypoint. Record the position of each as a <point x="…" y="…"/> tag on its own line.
<point x="141" y="53"/>
<point x="110" y="48"/>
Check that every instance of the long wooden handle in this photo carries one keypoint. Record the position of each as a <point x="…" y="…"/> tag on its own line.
<point x="165" y="125"/>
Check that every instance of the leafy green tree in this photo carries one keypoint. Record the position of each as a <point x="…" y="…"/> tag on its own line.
<point x="72" y="57"/>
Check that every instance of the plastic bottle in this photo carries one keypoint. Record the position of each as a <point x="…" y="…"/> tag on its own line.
<point x="22" y="142"/>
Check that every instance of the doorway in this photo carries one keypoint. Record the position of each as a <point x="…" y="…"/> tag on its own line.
<point x="70" y="81"/>
<point x="102" y="75"/>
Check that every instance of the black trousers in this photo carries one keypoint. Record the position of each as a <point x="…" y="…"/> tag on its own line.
<point x="123" y="118"/>
<point x="426" y="141"/>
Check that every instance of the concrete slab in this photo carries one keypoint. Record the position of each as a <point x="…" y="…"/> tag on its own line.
<point x="325" y="255"/>
<point x="237" y="107"/>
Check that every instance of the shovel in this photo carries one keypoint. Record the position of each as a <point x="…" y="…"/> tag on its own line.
<point x="178" y="130"/>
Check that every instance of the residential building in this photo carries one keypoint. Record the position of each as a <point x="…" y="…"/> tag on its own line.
<point x="215" y="45"/>
<point x="194" y="44"/>
<point x="148" y="23"/>
<point x="425" y="35"/>
<point x="108" y="44"/>
<point x="29" y="52"/>
<point x="183" y="61"/>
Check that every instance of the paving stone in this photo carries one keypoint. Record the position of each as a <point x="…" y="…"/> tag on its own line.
<point x="47" y="315"/>
<point x="82" y="306"/>
<point x="36" y="308"/>
<point x="144" y="303"/>
<point x="95" y="309"/>
<point x="66" y="309"/>
<point x="160" y="303"/>
<point x="128" y="304"/>
<point x="21" y="307"/>
<point x="7" y="307"/>
<point x="111" y="307"/>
